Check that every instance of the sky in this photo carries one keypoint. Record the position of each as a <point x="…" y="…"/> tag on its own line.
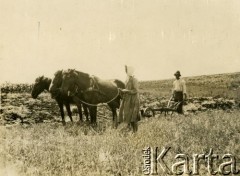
<point x="99" y="37"/>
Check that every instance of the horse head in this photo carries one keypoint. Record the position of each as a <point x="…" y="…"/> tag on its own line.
<point x="41" y="83"/>
<point x="74" y="81"/>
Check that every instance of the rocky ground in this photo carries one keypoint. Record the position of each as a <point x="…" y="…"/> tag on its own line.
<point x="21" y="108"/>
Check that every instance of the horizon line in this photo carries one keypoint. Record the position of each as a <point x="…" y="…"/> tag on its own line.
<point x="193" y="76"/>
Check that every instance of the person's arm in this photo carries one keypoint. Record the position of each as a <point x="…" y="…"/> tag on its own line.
<point x="135" y="87"/>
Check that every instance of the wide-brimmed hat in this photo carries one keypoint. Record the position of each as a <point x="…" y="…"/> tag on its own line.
<point x="177" y="73"/>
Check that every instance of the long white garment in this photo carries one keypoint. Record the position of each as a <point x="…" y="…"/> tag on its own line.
<point x="179" y="86"/>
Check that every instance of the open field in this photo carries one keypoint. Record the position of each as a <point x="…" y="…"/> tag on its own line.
<point x="223" y="85"/>
<point x="34" y="142"/>
<point x="51" y="149"/>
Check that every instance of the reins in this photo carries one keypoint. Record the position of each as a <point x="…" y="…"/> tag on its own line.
<point x="89" y="104"/>
<point x="92" y="85"/>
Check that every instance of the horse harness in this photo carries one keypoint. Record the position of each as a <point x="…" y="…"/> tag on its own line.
<point x="93" y="83"/>
<point x="94" y="87"/>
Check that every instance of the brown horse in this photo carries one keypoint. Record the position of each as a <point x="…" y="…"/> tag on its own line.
<point x="92" y="90"/>
<point x="43" y="83"/>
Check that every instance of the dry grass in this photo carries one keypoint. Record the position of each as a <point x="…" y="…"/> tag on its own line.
<point x="223" y="85"/>
<point x="51" y="149"/>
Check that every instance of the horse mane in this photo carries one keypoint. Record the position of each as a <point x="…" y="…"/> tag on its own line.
<point x="82" y="78"/>
<point x="57" y="78"/>
<point x="58" y="74"/>
<point x="43" y="79"/>
<point x="40" y="78"/>
<point x="78" y="73"/>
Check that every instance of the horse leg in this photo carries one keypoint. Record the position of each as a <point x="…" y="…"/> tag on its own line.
<point x="114" y="114"/>
<point x="85" y="109"/>
<point x="60" y="104"/>
<point x="93" y="114"/>
<point x="79" y="106"/>
<point x="134" y="126"/>
<point x="69" y="111"/>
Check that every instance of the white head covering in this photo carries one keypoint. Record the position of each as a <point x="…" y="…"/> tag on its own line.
<point x="129" y="70"/>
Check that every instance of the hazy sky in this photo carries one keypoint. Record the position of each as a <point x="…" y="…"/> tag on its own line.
<point x="99" y="37"/>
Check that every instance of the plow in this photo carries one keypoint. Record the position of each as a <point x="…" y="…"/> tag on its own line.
<point x="171" y="107"/>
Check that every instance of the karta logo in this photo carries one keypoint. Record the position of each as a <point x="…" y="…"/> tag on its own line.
<point x="154" y="163"/>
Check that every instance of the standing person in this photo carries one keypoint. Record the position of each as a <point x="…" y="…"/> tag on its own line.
<point x="130" y="106"/>
<point x="179" y="92"/>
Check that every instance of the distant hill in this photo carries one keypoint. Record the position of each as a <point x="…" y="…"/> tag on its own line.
<point x="218" y="85"/>
<point x="222" y="85"/>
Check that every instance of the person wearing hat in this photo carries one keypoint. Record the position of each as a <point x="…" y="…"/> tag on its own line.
<point x="179" y="93"/>
<point x="130" y="105"/>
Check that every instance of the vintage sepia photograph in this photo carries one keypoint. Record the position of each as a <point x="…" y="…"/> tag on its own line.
<point x="119" y="87"/>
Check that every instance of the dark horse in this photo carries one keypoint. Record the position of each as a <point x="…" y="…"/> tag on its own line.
<point x="92" y="90"/>
<point x="42" y="83"/>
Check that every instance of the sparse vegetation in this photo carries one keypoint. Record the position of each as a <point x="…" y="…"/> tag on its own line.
<point x="51" y="149"/>
<point x="219" y="85"/>
<point x="34" y="141"/>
